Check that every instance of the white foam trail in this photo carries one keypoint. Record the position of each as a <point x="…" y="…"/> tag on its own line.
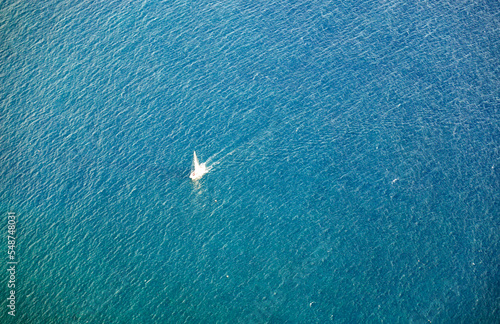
<point x="200" y="169"/>
<point x="221" y="159"/>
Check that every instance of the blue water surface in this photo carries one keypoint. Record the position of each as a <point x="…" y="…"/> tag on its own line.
<point x="354" y="149"/>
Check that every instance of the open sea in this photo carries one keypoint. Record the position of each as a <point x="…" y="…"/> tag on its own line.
<point x="354" y="149"/>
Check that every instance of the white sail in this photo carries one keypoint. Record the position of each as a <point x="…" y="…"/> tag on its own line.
<point x="196" y="163"/>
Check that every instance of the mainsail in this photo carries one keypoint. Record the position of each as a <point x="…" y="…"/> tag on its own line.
<point x="197" y="167"/>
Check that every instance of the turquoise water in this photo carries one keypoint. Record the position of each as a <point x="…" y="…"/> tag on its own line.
<point x="354" y="146"/>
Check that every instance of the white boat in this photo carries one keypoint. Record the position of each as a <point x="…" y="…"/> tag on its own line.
<point x="198" y="169"/>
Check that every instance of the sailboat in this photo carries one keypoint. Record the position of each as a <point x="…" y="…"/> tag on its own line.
<point x="199" y="169"/>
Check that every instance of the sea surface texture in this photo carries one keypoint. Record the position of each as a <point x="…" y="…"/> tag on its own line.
<point x="353" y="149"/>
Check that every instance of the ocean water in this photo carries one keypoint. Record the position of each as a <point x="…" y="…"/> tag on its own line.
<point x="354" y="148"/>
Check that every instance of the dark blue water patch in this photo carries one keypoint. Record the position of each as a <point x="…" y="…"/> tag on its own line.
<point x="354" y="150"/>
